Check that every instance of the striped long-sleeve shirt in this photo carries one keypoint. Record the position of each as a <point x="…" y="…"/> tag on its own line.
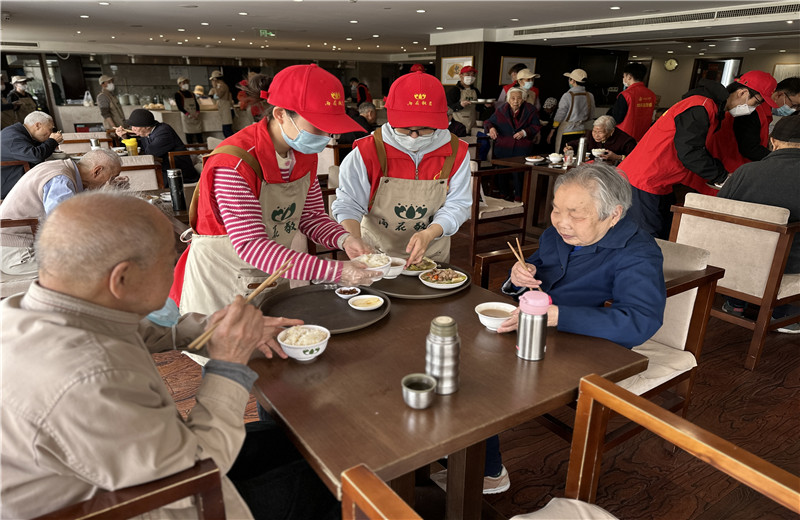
<point x="241" y="214"/>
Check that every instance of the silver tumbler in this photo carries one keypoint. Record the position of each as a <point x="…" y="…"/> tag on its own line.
<point x="443" y="353"/>
<point x="532" y="327"/>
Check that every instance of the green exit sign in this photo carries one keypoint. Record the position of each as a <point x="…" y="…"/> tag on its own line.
<point x="265" y="32"/>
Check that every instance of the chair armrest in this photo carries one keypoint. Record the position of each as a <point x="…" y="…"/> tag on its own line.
<point x="791" y="227"/>
<point x="693" y="279"/>
<point x="203" y="479"/>
<point x="363" y="489"/>
<point x="33" y="223"/>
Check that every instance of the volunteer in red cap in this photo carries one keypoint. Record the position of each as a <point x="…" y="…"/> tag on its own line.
<point x="259" y="189"/>
<point x="735" y="143"/>
<point x="675" y="149"/>
<point x="461" y="98"/>
<point x="406" y="187"/>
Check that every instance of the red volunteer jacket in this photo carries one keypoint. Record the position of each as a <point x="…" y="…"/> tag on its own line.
<point x="725" y="146"/>
<point x="641" y="104"/>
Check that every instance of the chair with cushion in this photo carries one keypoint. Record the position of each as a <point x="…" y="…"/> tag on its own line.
<point x="599" y="397"/>
<point x="201" y="481"/>
<point x="83" y="144"/>
<point x="17" y="283"/>
<point x="751" y="242"/>
<point x="143" y="171"/>
<point x="363" y="492"/>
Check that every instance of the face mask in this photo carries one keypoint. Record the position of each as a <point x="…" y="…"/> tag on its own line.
<point x="785" y="110"/>
<point x="414" y="144"/>
<point x="184" y="87"/>
<point x="306" y="142"/>
<point x="23" y="87"/>
<point x="625" y="86"/>
<point x="527" y="85"/>
<point x="741" y="110"/>
<point x="110" y="87"/>
<point x="469" y="80"/>
<point x="166" y="316"/>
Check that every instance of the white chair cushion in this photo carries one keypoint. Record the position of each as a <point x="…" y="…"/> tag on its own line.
<point x="567" y="509"/>
<point x="790" y="285"/>
<point x="492" y="207"/>
<point x="213" y="142"/>
<point x="664" y="363"/>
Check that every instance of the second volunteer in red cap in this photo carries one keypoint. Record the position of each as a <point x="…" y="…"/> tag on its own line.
<point x="406" y="187"/>
<point x="259" y="189"/>
<point x="461" y="98"/>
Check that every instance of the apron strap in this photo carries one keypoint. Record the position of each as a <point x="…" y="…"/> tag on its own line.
<point x="450" y="160"/>
<point x="193" y="207"/>
<point x="380" y="148"/>
<point x="242" y="154"/>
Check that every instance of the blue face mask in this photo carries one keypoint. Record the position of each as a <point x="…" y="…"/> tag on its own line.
<point x="785" y="110"/>
<point x="166" y="316"/>
<point x="527" y="85"/>
<point x="306" y="142"/>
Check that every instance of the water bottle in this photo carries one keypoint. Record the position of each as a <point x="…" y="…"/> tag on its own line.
<point x="87" y="99"/>
<point x="532" y="328"/>
<point x="581" y="151"/>
<point x="175" y="178"/>
<point x="443" y="354"/>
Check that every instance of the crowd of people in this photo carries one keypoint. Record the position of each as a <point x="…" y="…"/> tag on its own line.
<point x="404" y="189"/>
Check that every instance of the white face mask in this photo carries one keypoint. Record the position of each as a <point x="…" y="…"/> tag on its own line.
<point x="468" y="80"/>
<point x="414" y="144"/>
<point x="22" y="86"/>
<point x="185" y="87"/>
<point x="110" y="87"/>
<point x="742" y="110"/>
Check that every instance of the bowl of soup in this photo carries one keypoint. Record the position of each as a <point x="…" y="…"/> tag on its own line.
<point x="397" y="266"/>
<point x="492" y="314"/>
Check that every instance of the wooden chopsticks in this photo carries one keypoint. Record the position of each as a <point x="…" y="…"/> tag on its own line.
<point x="205" y="336"/>
<point x="519" y="255"/>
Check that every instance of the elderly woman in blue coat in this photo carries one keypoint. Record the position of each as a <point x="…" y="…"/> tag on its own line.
<point x="592" y="254"/>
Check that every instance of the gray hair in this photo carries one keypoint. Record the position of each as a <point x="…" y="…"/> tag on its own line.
<point x="37" y="117"/>
<point x="609" y="187"/>
<point x="102" y="156"/>
<point x="365" y="107"/>
<point x="606" y="122"/>
<point x="517" y="89"/>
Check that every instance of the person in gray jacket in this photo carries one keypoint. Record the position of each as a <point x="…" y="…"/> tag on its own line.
<point x="575" y="109"/>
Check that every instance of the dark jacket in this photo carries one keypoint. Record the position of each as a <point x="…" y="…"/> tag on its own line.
<point x="16" y="144"/>
<point x="507" y="124"/>
<point x="620" y="143"/>
<point x="163" y="140"/>
<point x="775" y="181"/>
<point x="454" y="96"/>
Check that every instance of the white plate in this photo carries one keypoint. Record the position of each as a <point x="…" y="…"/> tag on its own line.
<point x="355" y="299"/>
<point x="408" y="272"/>
<point x="444" y="285"/>
<point x="166" y="197"/>
<point x="535" y="161"/>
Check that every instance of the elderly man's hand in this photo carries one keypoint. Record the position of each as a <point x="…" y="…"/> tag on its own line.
<point x="239" y="333"/>
<point x="57" y="137"/>
<point x="120" y="182"/>
<point x="493" y="133"/>
<point x="120" y="131"/>
<point x="271" y="328"/>
<point x="355" y="247"/>
<point x="522" y="275"/>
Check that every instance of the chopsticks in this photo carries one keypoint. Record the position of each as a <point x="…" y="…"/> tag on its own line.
<point x="519" y="256"/>
<point x="204" y="337"/>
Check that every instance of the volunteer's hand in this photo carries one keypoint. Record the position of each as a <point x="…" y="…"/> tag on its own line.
<point x="550" y="136"/>
<point x="355" y="247"/>
<point x="120" y="182"/>
<point x="419" y="241"/>
<point x="465" y="103"/>
<point x="355" y="273"/>
<point x="511" y="323"/>
<point x="522" y="275"/>
<point x="271" y="328"/>
<point x="239" y="332"/>
<point x="493" y="133"/>
<point x="57" y="136"/>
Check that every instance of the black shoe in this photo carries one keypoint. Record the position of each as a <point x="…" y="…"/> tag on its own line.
<point x="733" y="311"/>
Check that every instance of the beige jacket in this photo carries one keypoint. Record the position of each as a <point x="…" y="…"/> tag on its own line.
<point x="84" y="408"/>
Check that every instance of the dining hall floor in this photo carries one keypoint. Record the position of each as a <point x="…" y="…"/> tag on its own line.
<point x="642" y="479"/>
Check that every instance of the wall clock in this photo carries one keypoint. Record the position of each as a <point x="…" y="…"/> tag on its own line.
<point x="671" y="64"/>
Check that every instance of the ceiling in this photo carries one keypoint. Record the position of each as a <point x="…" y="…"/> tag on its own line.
<point x="385" y="30"/>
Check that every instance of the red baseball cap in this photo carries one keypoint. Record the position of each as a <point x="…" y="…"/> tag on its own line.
<point x="467" y="69"/>
<point x="418" y="67"/>
<point x="313" y="93"/>
<point x="762" y="83"/>
<point x="417" y="99"/>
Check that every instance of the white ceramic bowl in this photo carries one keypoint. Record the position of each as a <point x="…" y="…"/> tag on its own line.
<point x="396" y="267"/>
<point x="555" y="157"/>
<point x="347" y="296"/>
<point x="599" y="152"/>
<point x="304" y="353"/>
<point x="492" y="322"/>
<point x="444" y="285"/>
<point x="382" y="268"/>
<point x="357" y="302"/>
<point x="120" y="149"/>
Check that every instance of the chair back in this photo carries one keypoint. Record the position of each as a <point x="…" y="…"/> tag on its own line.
<point x="213" y="142"/>
<point x="25" y="164"/>
<point x="143" y="172"/>
<point x="172" y="155"/>
<point x="745" y="252"/>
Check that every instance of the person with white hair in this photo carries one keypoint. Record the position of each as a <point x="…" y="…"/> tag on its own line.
<point x="605" y="135"/>
<point x="32" y="141"/>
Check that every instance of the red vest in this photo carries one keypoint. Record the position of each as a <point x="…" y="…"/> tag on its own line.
<point x="641" y="104"/>
<point x="400" y="166"/>
<point x="653" y="166"/>
<point x="765" y="118"/>
<point x="725" y="146"/>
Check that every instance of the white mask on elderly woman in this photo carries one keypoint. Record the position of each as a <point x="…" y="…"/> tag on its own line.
<point x="468" y="80"/>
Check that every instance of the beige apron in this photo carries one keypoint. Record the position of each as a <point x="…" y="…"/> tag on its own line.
<point x="28" y="105"/>
<point x="191" y="125"/>
<point x="117" y="115"/>
<point x="402" y="207"/>
<point x="590" y="122"/>
<point x="467" y="115"/>
<point x="214" y="273"/>
<point x="224" y="104"/>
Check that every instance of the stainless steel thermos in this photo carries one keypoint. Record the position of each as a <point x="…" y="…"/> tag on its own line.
<point x="581" y="151"/>
<point x="532" y="328"/>
<point x="443" y="354"/>
<point x="175" y="178"/>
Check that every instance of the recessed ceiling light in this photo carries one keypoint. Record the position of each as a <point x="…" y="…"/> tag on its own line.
<point x="84" y="16"/>
<point x="378" y="46"/>
<point x="440" y="28"/>
<point x="80" y="32"/>
<point x="634" y="56"/>
<point x="251" y="43"/>
<point x="415" y="43"/>
<point x="782" y="50"/>
<point x="376" y="35"/>
<point x="424" y="48"/>
<point x="615" y="8"/>
<point x="203" y="23"/>
<point x="103" y="3"/>
<point x="325" y="43"/>
<point x="353" y="21"/>
<point x="309" y="45"/>
<point x="670" y="52"/>
<point x="789" y="21"/>
<point x="349" y="39"/>
<point x="180" y="43"/>
<point x="242" y="14"/>
<point x="151" y="39"/>
<point x="262" y="46"/>
<point x="688" y="46"/>
<point x="219" y="41"/>
<point x="198" y="37"/>
<point x="160" y="35"/>
<point x="752" y="48"/>
<point x="359" y="48"/>
<point x="113" y="37"/>
<point x="420" y="10"/>
<point x="181" y="30"/>
<point x="544" y="39"/>
<point x="515" y="19"/>
<point x="712" y="44"/>
<point x="233" y="39"/>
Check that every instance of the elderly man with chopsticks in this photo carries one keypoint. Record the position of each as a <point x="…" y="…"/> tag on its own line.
<point x="84" y="408"/>
<point x="259" y="189"/>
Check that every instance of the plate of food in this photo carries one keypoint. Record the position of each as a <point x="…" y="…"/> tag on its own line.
<point x="535" y="159"/>
<point x="426" y="264"/>
<point x="443" y="278"/>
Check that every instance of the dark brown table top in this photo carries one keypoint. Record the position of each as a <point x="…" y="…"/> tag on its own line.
<point x="347" y="408"/>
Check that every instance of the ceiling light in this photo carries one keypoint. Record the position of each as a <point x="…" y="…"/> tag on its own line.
<point x="262" y="46"/>
<point x="84" y="16"/>
<point x="242" y="14"/>
<point x="353" y="21"/>
<point x="113" y="37"/>
<point x="251" y="43"/>
<point x="615" y="8"/>
<point x="688" y="46"/>
<point x="198" y="37"/>
<point x="712" y="44"/>
<point x="782" y="50"/>
<point x="439" y="28"/>
<point x="181" y="30"/>
<point x="219" y="41"/>
<point x="349" y="39"/>
<point x="103" y="3"/>
<point x="701" y="53"/>
<point x="634" y="56"/>
<point x="515" y="19"/>
<point x="359" y="48"/>
<point x="233" y="39"/>
<point x="544" y="39"/>
<point x="378" y="46"/>
<point x="789" y="21"/>
<point x="180" y="43"/>
<point x="752" y="48"/>
<point x="376" y="35"/>
<point x="309" y="45"/>
<point x="670" y="52"/>
<point x="80" y="32"/>
<point x="420" y="10"/>
<point x="151" y="39"/>
<point x="203" y="23"/>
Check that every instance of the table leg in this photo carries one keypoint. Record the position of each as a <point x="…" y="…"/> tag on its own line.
<point x="404" y="487"/>
<point x="465" y="483"/>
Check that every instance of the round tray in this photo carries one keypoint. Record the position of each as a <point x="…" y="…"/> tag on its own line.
<point x="319" y="305"/>
<point x="411" y="288"/>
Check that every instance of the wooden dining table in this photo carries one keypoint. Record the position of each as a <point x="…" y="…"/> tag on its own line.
<point x="346" y="407"/>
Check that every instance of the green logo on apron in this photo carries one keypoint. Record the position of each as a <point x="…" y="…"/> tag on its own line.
<point x="410" y="212"/>
<point x="281" y="214"/>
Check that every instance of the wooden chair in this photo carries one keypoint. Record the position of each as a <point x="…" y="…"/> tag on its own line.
<point x="201" y="481"/>
<point x="173" y="155"/>
<point x="25" y="164"/>
<point x="144" y="172"/>
<point x="599" y="397"/>
<point x="674" y="349"/>
<point x="337" y="152"/>
<point x="363" y="492"/>
<point x="483" y="262"/>
<point x="752" y="242"/>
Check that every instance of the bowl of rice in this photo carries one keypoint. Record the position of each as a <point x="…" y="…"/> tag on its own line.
<point x="304" y="342"/>
<point x="376" y="262"/>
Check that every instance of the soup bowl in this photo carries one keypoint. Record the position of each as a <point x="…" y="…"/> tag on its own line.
<point x="492" y="314"/>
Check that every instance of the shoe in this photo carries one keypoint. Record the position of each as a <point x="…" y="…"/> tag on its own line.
<point x="491" y="485"/>
<point x="793" y="328"/>
<point x="733" y="311"/>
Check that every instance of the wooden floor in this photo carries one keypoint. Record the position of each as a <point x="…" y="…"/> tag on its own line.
<point x="643" y="479"/>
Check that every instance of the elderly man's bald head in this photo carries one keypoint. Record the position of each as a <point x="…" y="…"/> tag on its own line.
<point x="86" y="236"/>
